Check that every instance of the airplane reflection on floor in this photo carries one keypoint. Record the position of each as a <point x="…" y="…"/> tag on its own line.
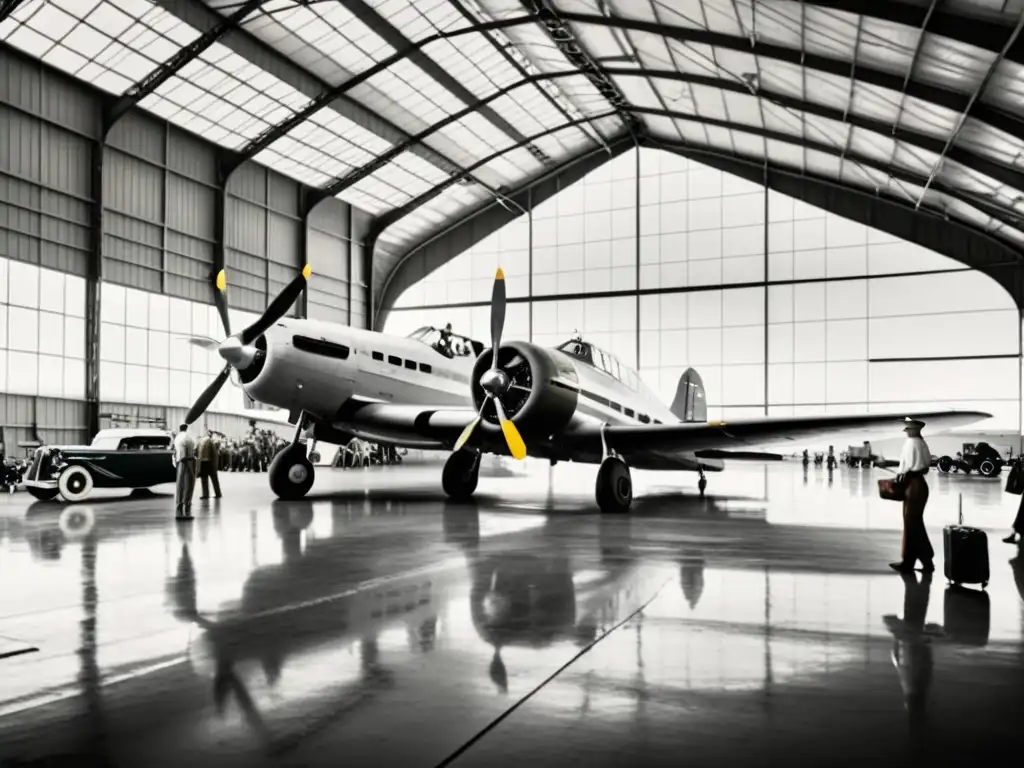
<point x="298" y="629"/>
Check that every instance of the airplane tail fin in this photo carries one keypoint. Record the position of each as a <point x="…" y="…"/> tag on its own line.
<point x="690" y="404"/>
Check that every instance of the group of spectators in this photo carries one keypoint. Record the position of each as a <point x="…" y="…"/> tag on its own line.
<point x="252" y="452"/>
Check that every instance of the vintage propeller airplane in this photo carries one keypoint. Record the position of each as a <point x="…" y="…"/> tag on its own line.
<point x="433" y="390"/>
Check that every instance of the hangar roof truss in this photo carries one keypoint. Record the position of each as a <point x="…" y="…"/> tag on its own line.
<point x="422" y="112"/>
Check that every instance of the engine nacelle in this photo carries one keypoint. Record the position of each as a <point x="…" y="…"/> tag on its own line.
<point x="536" y="405"/>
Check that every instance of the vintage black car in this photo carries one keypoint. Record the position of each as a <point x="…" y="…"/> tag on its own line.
<point x="981" y="458"/>
<point x="117" y="458"/>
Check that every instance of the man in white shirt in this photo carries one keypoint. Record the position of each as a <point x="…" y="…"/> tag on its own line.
<point x="184" y="458"/>
<point x="915" y="461"/>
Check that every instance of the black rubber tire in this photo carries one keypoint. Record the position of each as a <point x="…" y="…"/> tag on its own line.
<point x="614" y="487"/>
<point x="944" y="464"/>
<point x="291" y="473"/>
<point x="43" y="494"/>
<point x="460" y="474"/>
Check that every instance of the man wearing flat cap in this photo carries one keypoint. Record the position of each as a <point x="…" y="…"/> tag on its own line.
<point x="915" y="460"/>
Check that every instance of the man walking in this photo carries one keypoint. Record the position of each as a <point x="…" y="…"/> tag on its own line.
<point x="185" y="460"/>
<point x="209" y="456"/>
<point x="914" y="463"/>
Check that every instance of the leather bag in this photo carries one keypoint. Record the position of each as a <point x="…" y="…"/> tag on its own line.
<point x="891" y="490"/>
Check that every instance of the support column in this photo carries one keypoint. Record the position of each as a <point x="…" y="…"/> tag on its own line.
<point x="529" y="264"/>
<point x="766" y="290"/>
<point x="93" y="289"/>
<point x="304" y="211"/>
<point x="636" y="255"/>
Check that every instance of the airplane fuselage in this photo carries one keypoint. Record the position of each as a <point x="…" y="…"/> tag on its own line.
<point x="323" y="369"/>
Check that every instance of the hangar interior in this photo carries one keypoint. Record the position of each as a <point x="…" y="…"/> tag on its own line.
<point x="817" y="204"/>
<point x="669" y="179"/>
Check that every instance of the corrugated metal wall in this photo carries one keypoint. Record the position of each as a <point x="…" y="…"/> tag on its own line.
<point x="45" y="128"/>
<point x="160" y="195"/>
<point x="24" y="420"/>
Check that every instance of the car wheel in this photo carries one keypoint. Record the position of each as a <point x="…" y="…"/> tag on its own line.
<point x="987" y="468"/>
<point x="944" y="464"/>
<point x="75" y="483"/>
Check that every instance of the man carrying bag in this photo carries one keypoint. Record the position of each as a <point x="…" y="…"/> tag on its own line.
<point x="910" y="488"/>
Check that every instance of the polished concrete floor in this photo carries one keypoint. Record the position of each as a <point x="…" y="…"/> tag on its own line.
<point x="377" y="625"/>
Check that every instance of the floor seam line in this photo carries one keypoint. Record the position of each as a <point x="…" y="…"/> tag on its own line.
<point x="543" y="683"/>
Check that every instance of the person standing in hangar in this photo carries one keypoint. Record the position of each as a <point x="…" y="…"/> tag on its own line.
<point x="914" y="463"/>
<point x="184" y="458"/>
<point x="209" y="454"/>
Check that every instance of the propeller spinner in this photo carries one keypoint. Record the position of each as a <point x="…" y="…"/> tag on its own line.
<point x="238" y="350"/>
<point x="494" y="381"/>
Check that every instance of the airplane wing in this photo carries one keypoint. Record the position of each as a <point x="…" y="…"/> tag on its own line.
<point x="748" y="433"/>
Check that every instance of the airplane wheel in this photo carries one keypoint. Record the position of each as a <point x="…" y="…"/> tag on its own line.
<point x="75" y="483"/>
<point x="291" y="474"/>
<point x="614" y="486"/>
<point x="460" y="474"/>
<point x="43" y="494"/>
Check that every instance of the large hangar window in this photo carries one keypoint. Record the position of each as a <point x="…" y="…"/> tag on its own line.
<point x="819" y="325"/>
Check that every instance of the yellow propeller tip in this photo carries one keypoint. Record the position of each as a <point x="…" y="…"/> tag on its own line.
<point x="516" y="446"/>
<point x="222" y="281"/>
<point x="500" y="274"/>
<point x="307" y="271"/>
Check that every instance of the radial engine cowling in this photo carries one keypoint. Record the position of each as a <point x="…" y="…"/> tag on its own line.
<point x="538" y="407"/>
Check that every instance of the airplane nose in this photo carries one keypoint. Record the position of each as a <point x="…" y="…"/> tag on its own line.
<point x="235" y="352"/>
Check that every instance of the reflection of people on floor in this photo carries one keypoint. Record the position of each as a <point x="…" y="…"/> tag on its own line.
<point x="914" y="463"/>
<point x="911" y="649"/>
<point x="691" y="578"/>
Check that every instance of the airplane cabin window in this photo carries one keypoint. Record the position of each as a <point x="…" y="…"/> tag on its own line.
<point x="394" y="360"/>
<point x="425" y="368"/>
<point x="378" y="355"/>
<point x="629" y="412"/>
<point x="410" y="364"/>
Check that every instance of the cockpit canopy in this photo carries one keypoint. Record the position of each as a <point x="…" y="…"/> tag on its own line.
<point x="593" y="355"/>
<point x="449" y="345"/>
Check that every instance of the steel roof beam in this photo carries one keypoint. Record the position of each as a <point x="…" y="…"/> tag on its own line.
<point x="503" y="50"/>
<point x="1005" y="216"/>
<point x="933" y="94"/>
<point x="561" y="35"/>
<point x="978" y="92"/>
<point x="1002" y="173"/>
<point x="185" y="55"/>
<point x="7" y="7"/>
<point x="394" y="37"/>
<point x="987" y="34"/>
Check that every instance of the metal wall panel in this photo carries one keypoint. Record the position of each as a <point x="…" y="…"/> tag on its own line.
<point x="133" y="187"/>
<point x="246" y="225"/>
<point x="20" y="141"/>
<point x="34" y="88"/>
<point x="283" y="194"/>
<point x="283" y="240"/>
<point x="51" y="421"/>
<point x="191" y="157"/>
<point x="140" y="135"/>
<point x="332" y="216"/>
<point x="250" y="183"/>
<point x="191" y="207"/>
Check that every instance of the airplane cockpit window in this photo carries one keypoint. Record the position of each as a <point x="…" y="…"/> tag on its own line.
<point x="449" y="344"/>
<point x="579" y="349"/>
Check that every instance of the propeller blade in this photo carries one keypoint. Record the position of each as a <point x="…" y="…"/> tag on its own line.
<point x="204" y="342"/>
<point x="220" y="298"/>
<point x="204" y="400"/>
<point x="464" y="437"/>
<point x="497" y="313"/>
<point x="512" y="436"/>
<point x="278" y="307"/>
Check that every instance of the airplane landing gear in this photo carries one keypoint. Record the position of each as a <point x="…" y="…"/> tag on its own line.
<point x="614" y="487"/>
<point x="460" y="474"/>
<point x="291" y="472"/>
<point x="702" y="484"/>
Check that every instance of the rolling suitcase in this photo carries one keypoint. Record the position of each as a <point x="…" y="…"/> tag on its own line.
<point x="966" y="553"/>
